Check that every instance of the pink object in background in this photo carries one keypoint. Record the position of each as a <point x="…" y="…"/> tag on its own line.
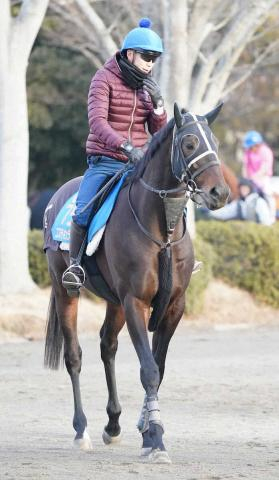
<point x="258" y="165"/>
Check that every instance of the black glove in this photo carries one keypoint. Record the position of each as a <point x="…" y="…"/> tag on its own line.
<point x="154" y="91"/>
<point x="134" y="154"/>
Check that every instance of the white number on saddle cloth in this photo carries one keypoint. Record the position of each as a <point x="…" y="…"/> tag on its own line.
<point x="60" y="229"/>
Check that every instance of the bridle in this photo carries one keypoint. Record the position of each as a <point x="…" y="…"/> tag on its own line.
<point x="188" y="175"/>
<point x="177" y="152"/>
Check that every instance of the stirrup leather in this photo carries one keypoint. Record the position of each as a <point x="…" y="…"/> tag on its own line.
<point x="74" y="276"/>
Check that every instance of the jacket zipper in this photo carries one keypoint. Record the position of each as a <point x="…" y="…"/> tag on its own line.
<point x="132" y="120"/>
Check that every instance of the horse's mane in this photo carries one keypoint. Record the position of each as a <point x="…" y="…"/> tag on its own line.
<point x="155" y="143"/>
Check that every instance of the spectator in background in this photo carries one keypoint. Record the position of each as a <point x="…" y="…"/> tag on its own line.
<point x="252" y="205"/>
<point x="257" y="161"/>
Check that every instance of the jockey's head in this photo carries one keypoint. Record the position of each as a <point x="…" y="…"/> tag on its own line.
<point x="142" y="46"/>
<point x="252" y="139"/>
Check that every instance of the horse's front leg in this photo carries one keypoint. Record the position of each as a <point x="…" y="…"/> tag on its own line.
<point x="149" y="374"/>
<point x="160" y="343"/>
<point x="161" y="338"/>
<point x="113" y="323"/>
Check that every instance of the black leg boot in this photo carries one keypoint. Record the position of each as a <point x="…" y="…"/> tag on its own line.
<point x="73" y="278"/>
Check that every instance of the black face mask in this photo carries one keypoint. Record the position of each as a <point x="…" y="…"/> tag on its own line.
<point x="132" y="75"/>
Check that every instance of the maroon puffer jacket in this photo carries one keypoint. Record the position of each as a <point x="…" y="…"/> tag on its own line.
<point x="118" y="113"/>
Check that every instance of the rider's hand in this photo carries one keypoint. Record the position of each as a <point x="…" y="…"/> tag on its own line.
<point x="134" y="154"/>
<point x="154" y="91"/>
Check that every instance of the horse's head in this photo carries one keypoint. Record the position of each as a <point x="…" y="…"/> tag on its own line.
<point x="194" y="157"/>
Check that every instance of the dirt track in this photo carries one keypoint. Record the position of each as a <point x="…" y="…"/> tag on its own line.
<point x="219" y="403"/>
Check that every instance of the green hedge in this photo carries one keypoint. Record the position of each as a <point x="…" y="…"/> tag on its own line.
<point x="199" y="281"/>
<point x="195" y="292"/>
<point x="37" y="259"/>
<point x="247" y="255"/>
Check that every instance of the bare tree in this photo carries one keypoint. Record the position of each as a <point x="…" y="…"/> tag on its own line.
<point x="17" y="35"/>
<point x="203" y="40"/>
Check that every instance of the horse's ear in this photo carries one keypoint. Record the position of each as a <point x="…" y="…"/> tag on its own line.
<point x="177" y="116"/>
<point x="210" y="116"/>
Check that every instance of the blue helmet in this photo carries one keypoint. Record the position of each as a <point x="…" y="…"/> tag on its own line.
<point x="252" y="138"/>
<point x="143" y="39"/>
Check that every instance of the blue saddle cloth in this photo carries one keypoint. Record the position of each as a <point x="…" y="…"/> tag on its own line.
<point x="60" y="229"/>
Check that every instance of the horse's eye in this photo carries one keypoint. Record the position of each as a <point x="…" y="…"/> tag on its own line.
<point x="189" y="144"/>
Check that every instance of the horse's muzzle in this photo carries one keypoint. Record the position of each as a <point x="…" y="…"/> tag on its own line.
<point x="217" y="197"/>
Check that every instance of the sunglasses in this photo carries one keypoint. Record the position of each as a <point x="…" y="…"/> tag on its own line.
<point x="147" y="57"/>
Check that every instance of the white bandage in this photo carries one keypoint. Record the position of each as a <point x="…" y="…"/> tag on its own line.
<point x="154" y="411"/>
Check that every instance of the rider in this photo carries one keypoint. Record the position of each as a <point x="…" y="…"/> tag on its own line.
<point x="123" y="98"/>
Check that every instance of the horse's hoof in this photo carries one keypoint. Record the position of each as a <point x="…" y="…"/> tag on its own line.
<point x="145" y="451"/>
<point x="108" y="439"/>
<point x="159" y="456"/>
<point x="83" y="443"/>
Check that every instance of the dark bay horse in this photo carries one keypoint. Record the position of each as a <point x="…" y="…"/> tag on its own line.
<point x="146" y="257"/>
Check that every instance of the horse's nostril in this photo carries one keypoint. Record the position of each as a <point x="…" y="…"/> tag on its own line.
<point x="219" y="193"/>
<point x="214" y="192"/>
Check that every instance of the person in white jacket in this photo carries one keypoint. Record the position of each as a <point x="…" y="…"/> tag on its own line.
<point x="250" y="206"/>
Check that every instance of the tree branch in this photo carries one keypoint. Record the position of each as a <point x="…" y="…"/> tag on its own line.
<point x="226" y="54"/>
<point x="254" y="66"/>
<point x="26" y="25"/>
<point x="104" y="36"/>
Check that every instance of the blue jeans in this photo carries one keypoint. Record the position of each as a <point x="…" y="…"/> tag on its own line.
<point x="100" y="169"/>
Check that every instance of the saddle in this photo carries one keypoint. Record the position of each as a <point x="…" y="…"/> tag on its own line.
<point x="60" y="233"/>
<point x="60" y="224"/>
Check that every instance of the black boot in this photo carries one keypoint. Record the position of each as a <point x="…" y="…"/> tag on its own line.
<point x="73" y="278"/>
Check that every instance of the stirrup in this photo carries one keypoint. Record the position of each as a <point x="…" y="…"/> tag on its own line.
<point x="197" y="267"/>
<point x="73" y="278"/>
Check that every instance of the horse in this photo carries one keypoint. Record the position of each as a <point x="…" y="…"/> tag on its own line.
<point x="146" y="258"/>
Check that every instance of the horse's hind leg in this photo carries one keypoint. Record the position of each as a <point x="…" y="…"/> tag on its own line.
<point x="113" y="323"/>
<point x="66" y="309"/>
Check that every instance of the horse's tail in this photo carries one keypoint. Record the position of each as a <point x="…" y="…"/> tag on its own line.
<point x="162" y="298"/>
<point x="54" y="337"/>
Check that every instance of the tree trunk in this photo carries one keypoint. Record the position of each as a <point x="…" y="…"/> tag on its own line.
<point x="16" y="39"/>
<point x="14" y="220"/>
<point x="175" y="74"/>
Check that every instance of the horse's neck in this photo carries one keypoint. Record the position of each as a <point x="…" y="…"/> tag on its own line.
<point x="157" y="174"/>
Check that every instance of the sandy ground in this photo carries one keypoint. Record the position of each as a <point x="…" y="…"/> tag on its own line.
<point x="219" y="398"/>
<point x="219" y="404"/>
<point x="24" y="316"/>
